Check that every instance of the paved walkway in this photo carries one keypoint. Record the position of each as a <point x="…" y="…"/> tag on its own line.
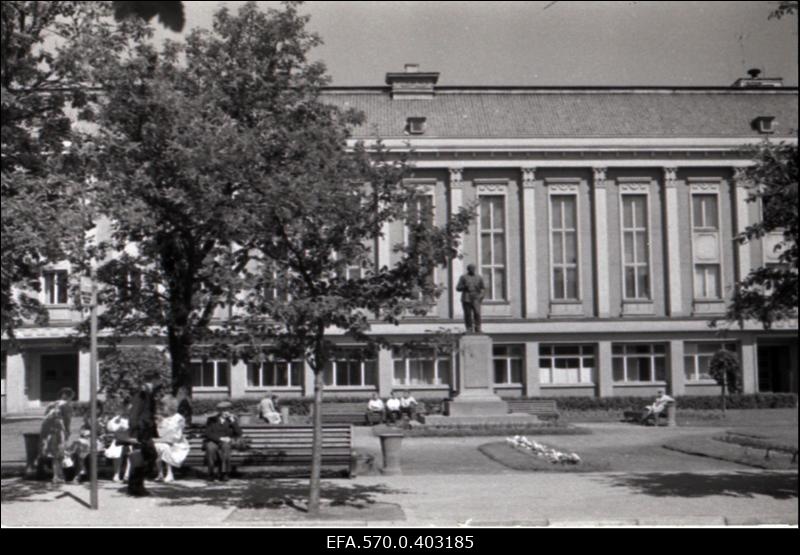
<point x="532" y="499"/>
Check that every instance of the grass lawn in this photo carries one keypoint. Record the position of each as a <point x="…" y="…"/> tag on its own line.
<point x="713" y="447"/>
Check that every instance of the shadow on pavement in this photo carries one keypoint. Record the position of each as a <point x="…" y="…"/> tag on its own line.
<point x="22" y="490"/>
<point x="260" y="494"/>
<point x="739" y="484"/>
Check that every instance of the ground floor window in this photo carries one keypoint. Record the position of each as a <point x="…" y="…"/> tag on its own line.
<point x="209" y="373"/>
<point x="351" y="368"/>
<point x="508" y="365"/>
<point x="697" y="357"/>
<point x="275" y="373"/>
<point x="566" y="364"/>
<point x="639" y="362"/>
<point x="420" y="366"/>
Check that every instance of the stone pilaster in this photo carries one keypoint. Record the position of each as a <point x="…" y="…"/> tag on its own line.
<point x="457" y="265"/>
<point x="605" y="373"/>
<point x="677" y="373"/>
<point x="529" y="241"/>
<point x="672" y="224"/>
<point x="742" y="221"/>
<point x="532" y="385"/>
<point x="601" y="243"/>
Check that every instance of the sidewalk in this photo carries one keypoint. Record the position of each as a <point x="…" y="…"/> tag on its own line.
<point x="521" y="499"/>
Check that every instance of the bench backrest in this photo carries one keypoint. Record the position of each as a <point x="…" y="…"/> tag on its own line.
<point x="533" y="406"/>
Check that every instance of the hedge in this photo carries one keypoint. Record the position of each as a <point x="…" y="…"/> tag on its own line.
<point x="301" y="406"/>
<point x="691" y="402"/>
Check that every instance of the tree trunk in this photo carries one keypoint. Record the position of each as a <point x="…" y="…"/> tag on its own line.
<point x="180" y="351"/>
<point x="724" y="390"/>
<point x="316" y="449"/>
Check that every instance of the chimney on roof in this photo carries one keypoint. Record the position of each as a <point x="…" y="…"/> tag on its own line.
<point x="755" y="80"/>
<point x="412" y="84"/>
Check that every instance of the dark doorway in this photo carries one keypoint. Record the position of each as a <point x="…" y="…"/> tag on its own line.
<point x="774" y="368"/>
<point x="58" y="371"/>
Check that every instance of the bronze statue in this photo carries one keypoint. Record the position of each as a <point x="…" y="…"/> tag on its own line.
<point x="471" y="287"/>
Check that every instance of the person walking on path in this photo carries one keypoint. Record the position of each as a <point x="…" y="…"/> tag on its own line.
<point x="54" y="432"/>
<point x="472" y="290"/>
<point x="142" y="432"/>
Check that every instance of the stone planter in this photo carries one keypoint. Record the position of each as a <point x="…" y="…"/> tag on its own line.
<point x="391" y="442"/>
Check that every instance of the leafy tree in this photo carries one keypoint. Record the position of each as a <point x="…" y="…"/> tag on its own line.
<point x="122" y="370"/>
<point x="785" y="7"/>
<point x="724" y="368"/>
<point x="769" y="293"/>
<point x="48" y="49"/>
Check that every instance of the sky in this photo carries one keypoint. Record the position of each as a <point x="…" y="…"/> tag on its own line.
<point x="546" y="43"/>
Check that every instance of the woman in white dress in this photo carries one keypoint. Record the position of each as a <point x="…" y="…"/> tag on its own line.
<point x="171" y="445"/>
<point x="118" y="427"/>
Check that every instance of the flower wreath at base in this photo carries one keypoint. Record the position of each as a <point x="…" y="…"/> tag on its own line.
<point x="542" y="451"/>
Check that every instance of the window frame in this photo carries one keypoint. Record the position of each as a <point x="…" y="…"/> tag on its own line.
<point x="642" y="191"/>
<point x="575" y="193"/>
<point x="437" y="371"/>
<point x="495" y="190"/>
<point x="552" y="356"/>
<point x="706" y="189"/>
<point x="508" y="358"/>
<point x="216" y="362"/>
<point x="261" y="374"/>
<point x="335" y="359"/>
<point x="652" y="355"/>
<point x="57" y="289"/>
<point x="696" y="355"/>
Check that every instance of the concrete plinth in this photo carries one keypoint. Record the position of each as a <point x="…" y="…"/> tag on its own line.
<point x="476" y="396"/>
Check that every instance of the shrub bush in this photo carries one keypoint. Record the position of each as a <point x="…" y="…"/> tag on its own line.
<point x="690" y="402"/>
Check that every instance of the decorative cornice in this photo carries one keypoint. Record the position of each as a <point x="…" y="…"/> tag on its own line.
<point x="562" y="187"/>
<point x="705" y="187"/>
<point x="634" y="187"/>
<point x="492" y="188"/>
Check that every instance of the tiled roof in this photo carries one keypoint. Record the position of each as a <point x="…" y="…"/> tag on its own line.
<point x="573" y="113"/>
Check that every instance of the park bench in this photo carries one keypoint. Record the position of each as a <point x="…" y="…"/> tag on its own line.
<point x="635" y="415"/>
<point x="543" y="408"/>
<point x="281" y="445"/>
<point x="343" y="413"/>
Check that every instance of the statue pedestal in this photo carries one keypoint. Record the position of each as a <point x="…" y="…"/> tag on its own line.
<point x="477" y="403"/>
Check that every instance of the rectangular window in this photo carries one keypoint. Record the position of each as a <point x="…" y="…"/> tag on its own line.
<point x="351" y="368"/>
<point x="635" y="247"/>
<point x="55" y="287"/>
<point x="639" y="362"/>
<point x="706" y="246"/>
<point x="697" y="357"/>
<point x="209" y="373"/>
<point x="420" y="212"/>
<point x="420" y="366"/>
<point x="492" y="249"/>
<point x="277" y="373"/>
<point x="564" y="246"/>
<point x="704" y="211"/>
<point x="706" y="281"/>
<point x="566" y="364"/>
<point x="508" y="363"/>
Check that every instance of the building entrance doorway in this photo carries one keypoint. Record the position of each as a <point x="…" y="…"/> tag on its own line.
<point x="58" y="371"/>
<point x="774" y="368"/>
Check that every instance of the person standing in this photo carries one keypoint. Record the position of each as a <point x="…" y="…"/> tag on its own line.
<point x="142" y="431"/>
<point x="55" y="432"/>
<point x="472" y="290"/>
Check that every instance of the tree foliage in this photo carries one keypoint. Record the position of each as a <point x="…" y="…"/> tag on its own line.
<point x="122" y="370"/>
<point x="769" y="293"/>
<point x="48" y="50"/>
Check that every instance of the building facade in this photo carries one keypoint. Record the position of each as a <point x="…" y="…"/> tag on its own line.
<point x="605" y="233"/>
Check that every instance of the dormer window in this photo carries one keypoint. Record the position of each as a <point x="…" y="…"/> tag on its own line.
<point x="764" y="124"/>
<point x="415" y="126"/>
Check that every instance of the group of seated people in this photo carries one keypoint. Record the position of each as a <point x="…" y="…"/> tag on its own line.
<point x="379" y="412"/>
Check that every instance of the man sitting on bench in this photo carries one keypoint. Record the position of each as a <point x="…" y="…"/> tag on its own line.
<point x="376" y="410"/>
<point x="654" y="411"/>
<point x="221" y="429"/>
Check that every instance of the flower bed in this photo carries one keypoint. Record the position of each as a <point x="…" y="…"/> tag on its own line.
<point x="542" y="451"/>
